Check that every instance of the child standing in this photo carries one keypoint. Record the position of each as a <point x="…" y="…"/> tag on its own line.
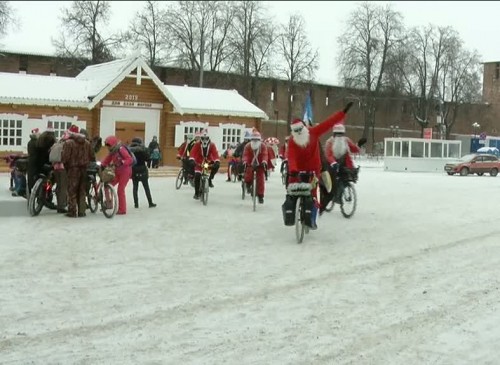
<point x="155" y="158"/>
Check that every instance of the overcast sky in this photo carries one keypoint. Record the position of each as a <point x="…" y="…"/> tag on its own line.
<point x="477" y="23"/>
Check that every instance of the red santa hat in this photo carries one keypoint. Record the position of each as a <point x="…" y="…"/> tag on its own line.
<point x="339" y="128"/>
<point x="255" y="136"/>
<point x="73" y="129"/>
<point x="296" y="123"/>
<point x="35" y="131"/>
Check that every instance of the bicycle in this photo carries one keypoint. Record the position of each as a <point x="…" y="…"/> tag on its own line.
<point x="233" y="170"/>
<point x="347" y="197"/>
<point x="303" y="212"/>
<point x="183" y="174"/>
<point x="43" y="192"/>
<point x="101" y="193"/>
<point x="252" y="189"/>
<point x="204" y="184"/>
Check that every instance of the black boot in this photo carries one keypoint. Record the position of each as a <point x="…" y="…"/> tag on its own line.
<point x="210" y="183"/>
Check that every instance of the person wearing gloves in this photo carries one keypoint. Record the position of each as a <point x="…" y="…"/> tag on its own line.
<point x="120" y="158"/>
<point x="255" y="157"/>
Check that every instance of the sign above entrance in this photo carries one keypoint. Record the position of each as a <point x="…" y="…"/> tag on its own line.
<point x="132" y="104"/>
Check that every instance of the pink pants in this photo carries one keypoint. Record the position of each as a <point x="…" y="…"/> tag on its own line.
<point x="122" y="178"/>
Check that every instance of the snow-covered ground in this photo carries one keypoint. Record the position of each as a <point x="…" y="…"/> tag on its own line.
<point x="412" y="278"/>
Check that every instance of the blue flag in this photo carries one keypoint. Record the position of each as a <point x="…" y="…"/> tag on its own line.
<point x="308" y="113"/>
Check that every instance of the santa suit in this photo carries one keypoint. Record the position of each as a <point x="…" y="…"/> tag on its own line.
<point x="200" y="154"/>
<point x="307" y="158"/>
<point x="350" y="147"/>
<point x="181" y="151"/>
<point x="259" y="157"/>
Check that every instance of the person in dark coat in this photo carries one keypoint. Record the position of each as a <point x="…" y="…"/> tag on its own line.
<point x="140" y="171"/>
<point x="32" y="158"/>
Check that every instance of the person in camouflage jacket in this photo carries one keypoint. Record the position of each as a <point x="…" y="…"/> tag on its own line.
<point x="76" y="155"/>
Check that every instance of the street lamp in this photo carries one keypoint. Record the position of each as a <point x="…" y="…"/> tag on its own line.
<point x="476" y="127"/>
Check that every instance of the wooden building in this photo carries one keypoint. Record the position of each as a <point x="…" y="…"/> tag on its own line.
<point x="123" y="98"/>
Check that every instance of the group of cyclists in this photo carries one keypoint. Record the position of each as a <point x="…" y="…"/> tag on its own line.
<point x="301" y="153"/>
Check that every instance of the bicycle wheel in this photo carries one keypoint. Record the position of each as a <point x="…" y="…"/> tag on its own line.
<point x="204" y="193"/>
<point x="299" y="223"/>
<point x="179" y="180"/>
<point x="348" y="201"/>
<point x="254" y="191"/>
<point x="108" y="200"/>
<point x="35" y="201"/>
<point x="92" y="196"/>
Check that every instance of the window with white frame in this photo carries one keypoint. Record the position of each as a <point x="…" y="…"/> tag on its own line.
<point x="230" y="136"/>
<point x="184" y="128"/>
<point x="60" y="127"/>
<point x="192" y="130"/>
<point x="11" y="131"/>
<point x="61" y="123"/>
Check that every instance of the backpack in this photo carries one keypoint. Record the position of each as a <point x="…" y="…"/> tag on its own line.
<point x="55" y="152"/>
<point x="134" y="159"/>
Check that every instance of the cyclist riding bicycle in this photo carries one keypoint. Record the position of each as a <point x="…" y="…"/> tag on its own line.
<point x="304" y="155"/>
<point x="183" y="153"/>
<point x="202" y="151"/>
<point x="255" y="156"/>
<point x="338" y="150"/>
<point x="233" y="161"/>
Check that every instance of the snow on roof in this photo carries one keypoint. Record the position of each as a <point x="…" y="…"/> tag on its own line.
<point x="101" y="75"/>
<point x="96" y="81"/>
<point x="197" y="100"/>
<point x="42" y="90"/>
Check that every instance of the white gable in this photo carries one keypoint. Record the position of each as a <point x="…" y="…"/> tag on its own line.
<point x="196" y="100"/>
<point x="101" y="75"/>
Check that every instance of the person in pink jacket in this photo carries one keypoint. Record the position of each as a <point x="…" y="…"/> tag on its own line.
<point x="122" y="160"/>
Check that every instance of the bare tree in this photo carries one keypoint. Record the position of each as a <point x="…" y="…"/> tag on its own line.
<point x="82" y="35"/>
<point x="199" y="30"/>
<point x="149" y="32"/>
<point x="7" y="18"/>
<point x="459" y="83"/>
<point x="300" y="60"/>
<point x="252" y="39"/>
<point x="372" y="34"/>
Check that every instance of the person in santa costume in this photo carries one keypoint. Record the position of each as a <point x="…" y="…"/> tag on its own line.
<point x="304" y="152"/>
<point x="255" y="156"/>
<point x="338" y="150"/>
<point x="202" y="151"/>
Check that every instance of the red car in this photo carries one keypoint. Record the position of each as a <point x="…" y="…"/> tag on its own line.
<point x="474" y="164"/>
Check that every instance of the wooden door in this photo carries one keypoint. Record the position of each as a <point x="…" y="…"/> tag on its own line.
<point x="126" y="131"/>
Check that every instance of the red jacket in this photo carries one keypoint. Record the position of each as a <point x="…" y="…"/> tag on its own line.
<point x="308" y="158"/>
<point x="352" y="148"/>
<point x="182" y="150"/>
<point x="248" y="154"/>
<point x="200" y="154"/>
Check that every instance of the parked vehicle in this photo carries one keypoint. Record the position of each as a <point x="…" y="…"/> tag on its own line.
<point x="475" y="163"/>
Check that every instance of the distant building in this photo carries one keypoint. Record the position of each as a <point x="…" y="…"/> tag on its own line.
<point x="123" y="98"/>
<point x="393" y="112"/>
